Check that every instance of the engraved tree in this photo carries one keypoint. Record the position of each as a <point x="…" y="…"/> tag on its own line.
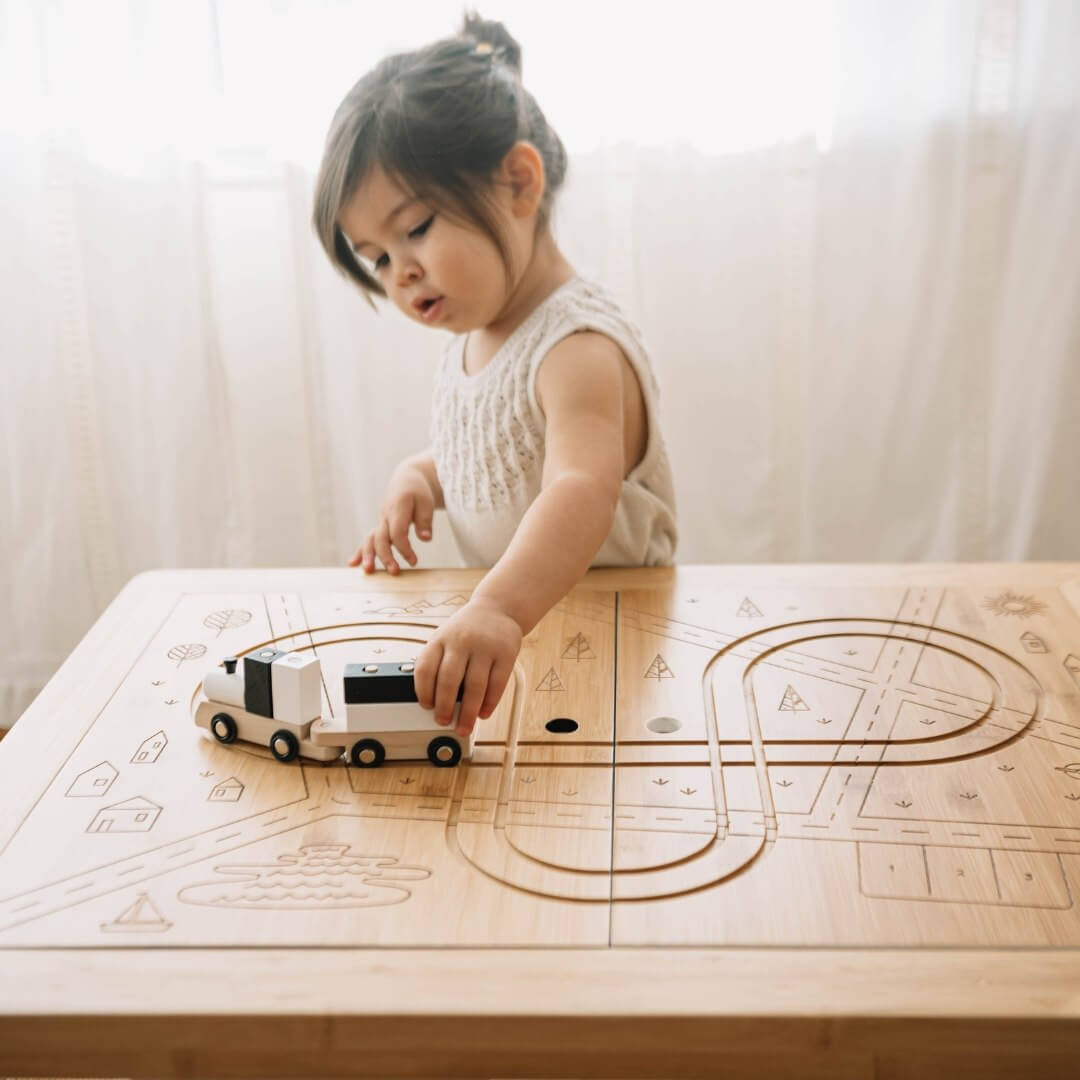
<point x="551" y="682"/>
<point x="659" y="669"/>
<point x="229" y="619"/>
<point x="578" y="648"/>
<point x="180" y="653"/>
<point x="792" y="702"/>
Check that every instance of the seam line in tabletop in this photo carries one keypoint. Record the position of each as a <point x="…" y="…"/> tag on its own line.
<point x="614" y="772"/>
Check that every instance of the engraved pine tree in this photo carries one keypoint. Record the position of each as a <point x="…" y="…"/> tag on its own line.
<point x="551" y="682"/>
<point x="578" y="649"/>
<point x="792" y="702"/>
<point x="659" y="669"/>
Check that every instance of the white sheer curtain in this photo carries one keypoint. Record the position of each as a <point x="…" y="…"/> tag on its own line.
<point x="850" y="232"/>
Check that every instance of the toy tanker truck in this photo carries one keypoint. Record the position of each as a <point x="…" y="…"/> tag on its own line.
<point x="276" y="701"/>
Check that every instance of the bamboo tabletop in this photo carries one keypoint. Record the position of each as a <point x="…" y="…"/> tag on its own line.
<point x="786" y="820"/>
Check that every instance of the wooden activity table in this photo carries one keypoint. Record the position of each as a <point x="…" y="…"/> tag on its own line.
<point x="757" y="821"/>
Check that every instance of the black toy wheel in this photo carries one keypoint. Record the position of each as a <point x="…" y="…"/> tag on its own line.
<point x="284" y="745"/>
<point x="444" y="752"/>
<point x="223" y="727"/>
<point x="367" y="754"/>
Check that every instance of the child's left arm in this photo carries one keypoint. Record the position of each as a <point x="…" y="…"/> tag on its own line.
<point x="580" y="388"/>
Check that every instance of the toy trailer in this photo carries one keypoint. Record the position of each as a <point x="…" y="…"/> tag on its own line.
<point x="381" y="705"/>
<point x="274" y="703"/>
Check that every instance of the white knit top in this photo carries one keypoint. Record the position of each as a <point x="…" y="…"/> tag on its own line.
<point x="487" y="435"/>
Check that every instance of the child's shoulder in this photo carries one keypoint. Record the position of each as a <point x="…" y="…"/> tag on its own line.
<point x="572" y="299"/>
<point x="585" y="304"/>
<point x="582" y="303"/>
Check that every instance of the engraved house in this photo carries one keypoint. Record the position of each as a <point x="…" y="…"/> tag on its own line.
<point x="133" y="815"/>
<point x="150" y="750"/>
<point x="227" y="791"/>
<point x="93" y="783"/>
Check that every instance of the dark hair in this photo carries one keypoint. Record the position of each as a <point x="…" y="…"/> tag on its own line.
<point x="439" y="122"/>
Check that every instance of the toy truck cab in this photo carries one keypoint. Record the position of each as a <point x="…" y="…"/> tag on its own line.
<point x="382" y="707"/>
<point x="273" y="703"/>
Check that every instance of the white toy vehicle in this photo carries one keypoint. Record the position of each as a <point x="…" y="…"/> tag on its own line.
<point x="276" y="702"/>
<point x="380" y="703"/>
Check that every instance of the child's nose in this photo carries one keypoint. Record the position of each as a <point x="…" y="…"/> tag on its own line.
<point x="409" y="272"/>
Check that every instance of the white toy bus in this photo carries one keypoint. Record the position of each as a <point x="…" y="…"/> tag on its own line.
<point x="276" y="702"/>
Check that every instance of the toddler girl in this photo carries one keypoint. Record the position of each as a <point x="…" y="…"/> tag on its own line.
<point x="435" y="191"/>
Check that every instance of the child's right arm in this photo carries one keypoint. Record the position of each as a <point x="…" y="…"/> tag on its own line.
<point x="412" y="497"/>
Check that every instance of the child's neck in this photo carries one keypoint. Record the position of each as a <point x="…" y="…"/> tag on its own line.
<point x="548" y="269"/>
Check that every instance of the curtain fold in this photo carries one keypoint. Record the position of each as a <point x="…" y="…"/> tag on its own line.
<point x="852" y="243"/>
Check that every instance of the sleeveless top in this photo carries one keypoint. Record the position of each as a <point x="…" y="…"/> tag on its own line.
<point x="487" y="433"/>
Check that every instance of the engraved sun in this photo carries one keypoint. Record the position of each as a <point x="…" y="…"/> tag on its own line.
<point x="1009" y="603"/>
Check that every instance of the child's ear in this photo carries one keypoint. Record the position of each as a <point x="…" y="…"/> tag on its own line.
<point x="523" y="171"/>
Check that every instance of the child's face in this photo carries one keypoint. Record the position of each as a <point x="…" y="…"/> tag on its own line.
<point x="437" y="271"/>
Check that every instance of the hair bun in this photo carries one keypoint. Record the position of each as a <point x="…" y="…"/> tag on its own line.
<point x="496" y="37"/>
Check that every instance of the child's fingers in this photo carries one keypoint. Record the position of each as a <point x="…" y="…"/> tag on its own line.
<point x="423" y="515"/>
<point x="358" y="556"/>
<point x="425" y="673"/>
<point x="369" y="553"/>
<point x="451" y="674"/>
<point x="382" y="547"/>
<point x="496" y="684"/>
<point x="400" y="519"/>
<point x="476" y="681"/>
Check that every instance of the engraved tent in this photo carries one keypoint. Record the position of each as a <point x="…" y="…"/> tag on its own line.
<point x="141" y="915"/>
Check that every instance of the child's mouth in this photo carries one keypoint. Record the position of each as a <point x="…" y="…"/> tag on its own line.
<point x="429" y="309"/>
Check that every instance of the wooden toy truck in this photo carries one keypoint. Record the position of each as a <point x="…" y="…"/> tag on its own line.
<point x="276" y="702"/>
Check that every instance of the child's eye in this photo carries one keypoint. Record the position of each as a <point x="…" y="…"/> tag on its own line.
<point x="421" y="228"/>
<point x="381" y="262"/>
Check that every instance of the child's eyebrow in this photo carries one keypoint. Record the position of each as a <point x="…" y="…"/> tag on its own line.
<point x="390" y="217"/>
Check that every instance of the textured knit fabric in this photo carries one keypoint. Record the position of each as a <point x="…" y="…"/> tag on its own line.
<point x="488" y="436"/>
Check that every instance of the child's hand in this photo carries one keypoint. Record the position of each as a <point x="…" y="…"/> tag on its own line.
<point x="409" y="500"/>
<point x="477" y="646"/>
